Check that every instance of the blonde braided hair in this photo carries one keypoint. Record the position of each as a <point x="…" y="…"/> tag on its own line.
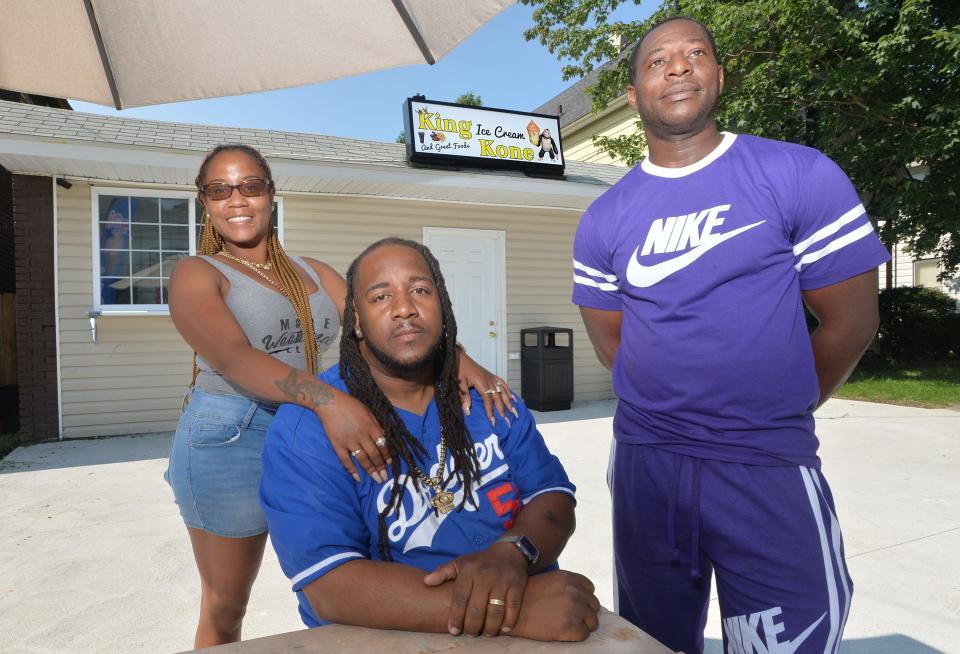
<point x="211" y="243"/>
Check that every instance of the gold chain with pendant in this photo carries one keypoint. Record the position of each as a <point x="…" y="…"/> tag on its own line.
<point x="255" y="267"/>
<point x="443" y="499"/>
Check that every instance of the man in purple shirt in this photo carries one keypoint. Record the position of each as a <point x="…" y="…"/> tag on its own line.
<point x="691" y="274"/>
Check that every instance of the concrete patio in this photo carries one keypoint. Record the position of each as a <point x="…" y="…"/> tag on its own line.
<point x="94" y="558"/>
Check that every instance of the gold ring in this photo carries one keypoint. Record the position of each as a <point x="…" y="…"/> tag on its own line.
<point x="380" y="442"/>
<point x="490" y="391"/>
<point x="356" y="451"/>
<point x="496" y="602"/>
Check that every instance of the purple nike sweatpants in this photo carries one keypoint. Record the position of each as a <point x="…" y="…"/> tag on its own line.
<point x="770" y="533"/>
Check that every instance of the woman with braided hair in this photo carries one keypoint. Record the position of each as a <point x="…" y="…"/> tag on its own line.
<point x="257" y="320"/>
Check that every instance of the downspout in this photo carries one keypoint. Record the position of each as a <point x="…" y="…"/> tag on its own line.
<point x="56" y="305"/>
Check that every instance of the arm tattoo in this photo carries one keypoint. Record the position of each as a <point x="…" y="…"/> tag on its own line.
<point x="305" y="390"/>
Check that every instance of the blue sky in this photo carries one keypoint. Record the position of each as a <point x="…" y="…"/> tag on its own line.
<point x="496" y="63"/>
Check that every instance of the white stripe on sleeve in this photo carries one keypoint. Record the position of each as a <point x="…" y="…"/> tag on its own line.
<point x="555" y="489"/>
<point x="327" y="561"/>
<point x="586" y="281"/>
<point x="835" y="245"/>
<point x="829" y="230"/>
<point x="593" y="272"/>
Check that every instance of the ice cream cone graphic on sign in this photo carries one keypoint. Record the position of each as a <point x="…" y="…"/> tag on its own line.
<point x="533" y="131"/>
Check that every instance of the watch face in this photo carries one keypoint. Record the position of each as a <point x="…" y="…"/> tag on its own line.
<point x="529" y="549"/>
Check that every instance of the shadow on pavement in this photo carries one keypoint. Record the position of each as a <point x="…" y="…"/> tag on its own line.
<point x="892" y="644"/>
<point x="580" y="411"/>
<point x="87" y="452"/>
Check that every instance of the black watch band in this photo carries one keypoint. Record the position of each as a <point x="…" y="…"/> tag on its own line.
<point x="526" y="547"/>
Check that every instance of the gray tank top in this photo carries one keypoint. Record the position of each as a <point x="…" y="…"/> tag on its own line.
<point x="270" y="323"/>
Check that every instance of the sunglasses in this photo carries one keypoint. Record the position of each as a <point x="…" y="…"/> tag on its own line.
<point x="251" y="188"/>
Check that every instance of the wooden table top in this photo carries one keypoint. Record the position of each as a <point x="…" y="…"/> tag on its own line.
<point x="613" y="635"/>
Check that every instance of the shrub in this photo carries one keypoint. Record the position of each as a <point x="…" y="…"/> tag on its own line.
<point x="916" y="323"/>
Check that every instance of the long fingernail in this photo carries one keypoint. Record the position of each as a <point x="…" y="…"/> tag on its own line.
<point x="379" y="476"/>
<point x="506" y="630"/>
<point x="454" y="631"/>
<point x="466" y="409"/>
<point x="493" y="422"/>
<point x="514" y="410"/>
<point x="356" y="476"/>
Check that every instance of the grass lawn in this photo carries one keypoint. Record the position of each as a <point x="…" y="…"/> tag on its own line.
<point x="911" y="384"/>
<point x="8" y="442"/>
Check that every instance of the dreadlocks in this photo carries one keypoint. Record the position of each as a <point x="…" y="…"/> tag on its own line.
<point x="211" y="243"/>
<point x="356" y="373"/>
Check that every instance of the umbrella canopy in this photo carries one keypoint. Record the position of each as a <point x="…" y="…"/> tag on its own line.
<point x="130" y="53"/>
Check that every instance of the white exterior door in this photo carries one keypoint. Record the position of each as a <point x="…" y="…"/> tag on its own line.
<point x="474" y="266"/>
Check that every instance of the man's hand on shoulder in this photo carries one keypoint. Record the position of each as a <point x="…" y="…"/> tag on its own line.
<point x="482" y="581"/>
<point x="558" y="605"/>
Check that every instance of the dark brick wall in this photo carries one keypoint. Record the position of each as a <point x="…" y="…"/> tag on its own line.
<point x="9" y="405"/>
<point x="6" y="232"/>
<point x="36" y="315"/>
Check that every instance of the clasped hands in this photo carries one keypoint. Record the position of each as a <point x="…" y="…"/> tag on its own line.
<point x="556" y="606"/>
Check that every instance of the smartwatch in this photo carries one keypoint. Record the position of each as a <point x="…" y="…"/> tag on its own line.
<point x="526" y="547"/>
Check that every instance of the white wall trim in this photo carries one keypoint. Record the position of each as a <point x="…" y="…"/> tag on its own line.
<point x="500" y="237"/>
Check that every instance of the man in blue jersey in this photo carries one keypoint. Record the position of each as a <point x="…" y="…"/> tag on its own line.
<point x="691" y="274"/>
<point x="483" y="510"/>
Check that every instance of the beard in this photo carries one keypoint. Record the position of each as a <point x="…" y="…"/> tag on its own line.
<point x="410" y="366"/>
<point x="682" y="126"/>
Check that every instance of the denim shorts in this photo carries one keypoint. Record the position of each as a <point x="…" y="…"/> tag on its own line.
<point x="214" y="467"/>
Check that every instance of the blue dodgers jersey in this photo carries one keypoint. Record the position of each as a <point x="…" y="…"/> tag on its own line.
<point x="707" y="264"/>
<point x="319" y="517"/>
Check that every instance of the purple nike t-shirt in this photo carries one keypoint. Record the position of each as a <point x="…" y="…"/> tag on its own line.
<point x="707" y="264"/>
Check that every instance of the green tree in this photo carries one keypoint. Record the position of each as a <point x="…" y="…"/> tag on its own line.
<point x="470" y="98"/>
<point x="875" y="84"/>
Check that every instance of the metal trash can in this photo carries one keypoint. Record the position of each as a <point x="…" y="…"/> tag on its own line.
<point x="546" y="368"/>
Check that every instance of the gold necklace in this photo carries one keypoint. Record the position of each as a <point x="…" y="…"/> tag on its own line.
<point x="443" y="499"/>
<point x="256" y="267"/>
<point x="250" y="264"/>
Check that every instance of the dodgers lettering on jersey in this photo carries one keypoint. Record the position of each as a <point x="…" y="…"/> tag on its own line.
<point x="707" y="264"/>
<point x="320" y="518"/>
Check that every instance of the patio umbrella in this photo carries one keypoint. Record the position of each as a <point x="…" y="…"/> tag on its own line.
<point x="130" y="53"/>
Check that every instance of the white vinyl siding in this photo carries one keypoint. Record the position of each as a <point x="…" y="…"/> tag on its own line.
<point x="578" y="143"/>
<point x="133" y="379"/>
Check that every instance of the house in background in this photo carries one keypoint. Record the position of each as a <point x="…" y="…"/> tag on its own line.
<point x="581" y="125"/>
<point x="103" y="206"/>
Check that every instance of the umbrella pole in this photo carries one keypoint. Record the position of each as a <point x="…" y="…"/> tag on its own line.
<point x="104" y="59"/>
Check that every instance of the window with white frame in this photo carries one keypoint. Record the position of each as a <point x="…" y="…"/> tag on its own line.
<point x="138" y="236"/>
<point x="925" y="273"/>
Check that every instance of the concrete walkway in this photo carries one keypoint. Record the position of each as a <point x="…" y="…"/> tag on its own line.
<point x="94" y="558"/>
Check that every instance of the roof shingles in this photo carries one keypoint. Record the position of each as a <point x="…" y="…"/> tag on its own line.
<point x="38" y="121"/>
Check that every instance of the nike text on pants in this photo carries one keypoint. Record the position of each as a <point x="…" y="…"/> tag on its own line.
<point x="769" y="532"/>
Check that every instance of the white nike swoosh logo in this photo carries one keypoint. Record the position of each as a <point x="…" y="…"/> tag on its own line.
<point x="645" y="276"/>
<point x="791" y="646"/>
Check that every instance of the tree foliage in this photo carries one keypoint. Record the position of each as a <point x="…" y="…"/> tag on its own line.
<point x="470" y="98"/>
<point x="875" y="84"/>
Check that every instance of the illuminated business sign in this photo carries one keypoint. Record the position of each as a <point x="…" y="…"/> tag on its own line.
<point x="444" y="133"/>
